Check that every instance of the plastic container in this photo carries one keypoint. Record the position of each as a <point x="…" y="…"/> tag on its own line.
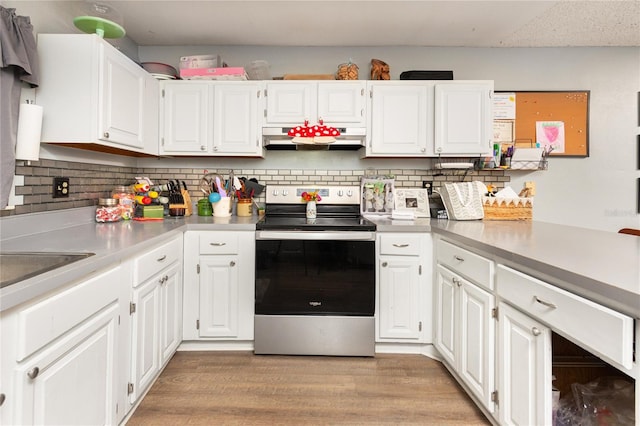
<point x="108" y="211"/>
<point x="126" y="199"/>
<point x="244" y="207"/>
<point x="204" y="208"/>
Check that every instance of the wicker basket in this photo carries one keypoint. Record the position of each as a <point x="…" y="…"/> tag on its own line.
<point x="507" y="208"/>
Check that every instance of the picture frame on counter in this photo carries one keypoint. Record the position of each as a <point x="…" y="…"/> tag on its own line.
<point x="414" y="200"/>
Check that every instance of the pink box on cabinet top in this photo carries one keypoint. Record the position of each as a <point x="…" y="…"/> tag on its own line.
<point x="226" y="73"/>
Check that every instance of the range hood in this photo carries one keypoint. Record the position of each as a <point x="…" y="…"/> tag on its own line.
<point x="350" y="139"/>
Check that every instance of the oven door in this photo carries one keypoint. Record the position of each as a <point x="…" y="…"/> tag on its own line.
<point x="315" y="273"/>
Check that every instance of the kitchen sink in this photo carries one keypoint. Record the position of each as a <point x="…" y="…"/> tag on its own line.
<point x="18" y="266"/>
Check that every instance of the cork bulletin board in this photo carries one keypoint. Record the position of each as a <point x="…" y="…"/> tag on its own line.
<point x="559" y="114"/>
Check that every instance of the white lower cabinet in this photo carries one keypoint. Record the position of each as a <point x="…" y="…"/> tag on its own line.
<point x="404" y="283"/>
<point x="465" y="332"/>
<point x="524" y="348"/>
<point x="62" y="366"/>
<point x="156" y="314"/>
<point x="219" y="284"/>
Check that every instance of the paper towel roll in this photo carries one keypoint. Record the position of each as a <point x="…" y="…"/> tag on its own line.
<point x="29" y="132"/>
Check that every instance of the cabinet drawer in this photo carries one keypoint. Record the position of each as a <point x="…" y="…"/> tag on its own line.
<point x="471" y="265"/>
<point x="219" y="243"/>
<point x="155" y="260"/>
<point x="51" y="318"/>
<point x="606" y="333"/>
<point x="400" y="244"/>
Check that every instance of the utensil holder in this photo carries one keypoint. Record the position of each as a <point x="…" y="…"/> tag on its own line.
<point x="222" y="208"/>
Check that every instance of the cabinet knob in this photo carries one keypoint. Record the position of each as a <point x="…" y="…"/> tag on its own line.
<point x="456" y="281"/>
<point x="203" y="148"/>
<point x="106" y="135"/>
<point x="384" y="264"/>
<point x="535" y="331"/>
<point x="232" y="263"/>
<point x="33" y="373"/>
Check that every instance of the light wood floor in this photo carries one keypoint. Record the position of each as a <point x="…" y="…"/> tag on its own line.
<point x="225" y="388"/>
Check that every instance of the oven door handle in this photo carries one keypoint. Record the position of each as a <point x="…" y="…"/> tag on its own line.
<point x="311" y="235"/>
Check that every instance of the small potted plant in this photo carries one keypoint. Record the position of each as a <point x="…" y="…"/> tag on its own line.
<point x="311" y="198"/>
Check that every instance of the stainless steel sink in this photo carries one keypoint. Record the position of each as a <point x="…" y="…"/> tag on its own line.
<point x="18" y="266"/>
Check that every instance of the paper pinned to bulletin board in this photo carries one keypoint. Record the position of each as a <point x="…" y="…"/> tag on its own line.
<point x="555" y="118"/>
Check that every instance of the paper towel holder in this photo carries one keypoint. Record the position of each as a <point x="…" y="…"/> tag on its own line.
<point x="29" y="132"/>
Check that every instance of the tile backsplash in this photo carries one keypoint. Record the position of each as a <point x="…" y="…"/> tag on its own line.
<point x="88" y="182"/>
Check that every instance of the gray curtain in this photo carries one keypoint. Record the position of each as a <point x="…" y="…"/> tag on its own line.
<point x="18" y="63"/>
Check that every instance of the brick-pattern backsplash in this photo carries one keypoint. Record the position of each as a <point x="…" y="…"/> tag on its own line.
<point x="88" y="182"/>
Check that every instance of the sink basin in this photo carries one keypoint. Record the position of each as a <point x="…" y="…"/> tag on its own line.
<point x="18" y="266"/>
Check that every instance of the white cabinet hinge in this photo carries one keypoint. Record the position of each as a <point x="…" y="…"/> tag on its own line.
<point x="129" y="388"/>
<point x="420" y="326"/>
<point x="419" y="269"/>
<point x="494" y="397"/>
<point x="197" y="324"/>
<point x="162" y="141"/>
<point x="118" y="319"/>
<point x="163" y="93"/>
<point x="116" y="408"/>
<point x="132" y="308"/>
<point x="265" y="93"/>
<point x="494" y="313"/>
<point x="198" y="268"/>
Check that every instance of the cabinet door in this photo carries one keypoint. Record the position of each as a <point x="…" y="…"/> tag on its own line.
<point x="145" y="362"/>
<point x="235" y="118"/>
<point x="342" y="103"/>
<point x="122" y="94"/>
<point x="73" y="381"/>
<point x="524" y="372"/>
<point x="171" y="312"/>
<point x="463" y="120"/>
<point x="186" y="117"/>
<point x="399" y="313"/>
<point x="290" y="103"/>
<point x="445" y="316"/>
<point x="477" y="341"/>
<point x="399" y="120"/>
<point x="219" y="299"/>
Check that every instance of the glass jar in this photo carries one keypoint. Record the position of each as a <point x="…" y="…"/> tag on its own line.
<point x="126" y="199"/>
<point x="108" y="210"/>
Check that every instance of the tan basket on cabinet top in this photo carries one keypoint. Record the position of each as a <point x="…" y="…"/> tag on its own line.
<point x="507" y="208"/>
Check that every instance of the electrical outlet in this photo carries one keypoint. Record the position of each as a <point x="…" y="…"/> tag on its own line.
<point x="428" y="185"/>
<point x="60" y="187"/>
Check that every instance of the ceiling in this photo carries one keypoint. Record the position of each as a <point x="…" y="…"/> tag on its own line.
<point x="474" y="23"/>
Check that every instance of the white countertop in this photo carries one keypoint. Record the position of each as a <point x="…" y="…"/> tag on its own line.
<point x="598" y="265"/>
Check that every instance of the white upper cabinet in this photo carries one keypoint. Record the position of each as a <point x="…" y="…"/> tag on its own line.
<point x="463" y="118"/>
<point x="93" y="95"/>
<point x="185" y="112"/>
<point x="290" y="103"/>
<point x="400" y="119"/>
<point x="211" y="118"/>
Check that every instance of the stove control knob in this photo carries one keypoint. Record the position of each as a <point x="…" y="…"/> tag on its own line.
<point x="285" y="192"/>
<point x="349" y="193"/>
<point x="340" y="193"/>
<point x="275" y="192"/>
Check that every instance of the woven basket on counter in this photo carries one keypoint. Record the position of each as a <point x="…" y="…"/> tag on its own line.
<point x="507" y="208"/>
<point x="348" y="71"/>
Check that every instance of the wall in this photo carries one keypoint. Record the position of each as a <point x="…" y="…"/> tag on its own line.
<point x="596" y="192"/>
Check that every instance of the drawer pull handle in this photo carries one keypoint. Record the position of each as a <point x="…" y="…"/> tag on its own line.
<point x="2" y="398"/>
<point x="384" y="264"/>
<point x="458" y="258"/>
<point x="542" y="302"/>
<point x="217" y="244"/>
<point x="401" y="245"/>
<point x="162" y="259"/>
<point x="535" y="331"/>
<point x="33" y="373"/>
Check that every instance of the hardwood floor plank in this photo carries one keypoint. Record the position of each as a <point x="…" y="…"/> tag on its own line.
<point x="239" y="388"/>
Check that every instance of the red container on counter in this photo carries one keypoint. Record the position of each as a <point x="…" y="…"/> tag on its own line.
<point x="108" y="210"/>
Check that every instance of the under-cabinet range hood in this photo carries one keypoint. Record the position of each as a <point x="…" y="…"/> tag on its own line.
<point x="276" y="138"/>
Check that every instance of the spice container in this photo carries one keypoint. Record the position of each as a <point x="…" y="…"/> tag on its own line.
<point x="244" y="207"/>
<point x="126" y="199"/>
<point x="108" y="210"/>
<point x="204" y="207"/>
